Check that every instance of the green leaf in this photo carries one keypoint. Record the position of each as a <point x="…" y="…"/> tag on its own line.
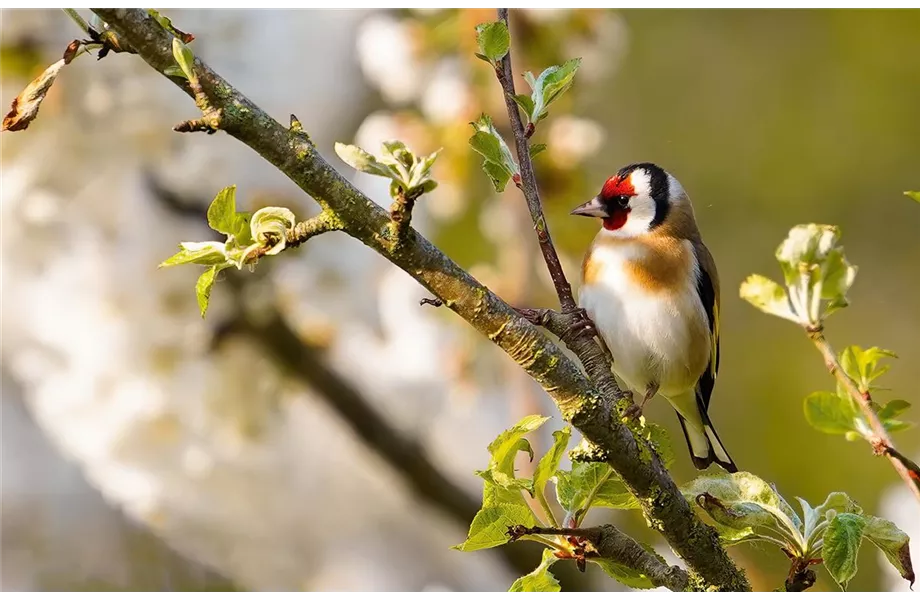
<point x="428" y="186"/>
<point x="549" y="464"/>
<point x="862" y="365"/>
<point x="835" y="501"/>
<point x="913" y="195"/>
<point x="498" y="175"/>
<point x="185" y="59"/>
<point x="222" y="216"/>
<point x="490" y="526"/>
<point x="537" y="149"/>
<point x="396" y="153"/>
<point x="550" y="85"/>
<point x="498" y="163"/>
<point x="526" y="103"/>
<point x="894" y="426"/>
<point x="504" y="447"/>
<point x="841" y="546"/>
<point x="174" y="71"/>
<point x="828" y="412"/>
<point x="595" y="481"/>
<point x="807" y="245"/>
<point x="199" y="253"/>
<point x="768" y="296"/>
<point x="839" y="502"/>
<point x="509" y="492"/>
<point x="837" y="276"/>
<point x="623" y="574"/>
<point x="504" y="450"/>
<point x="529" y="78"/>
<point x="168" y="26"/>
<point x="422" y="171"/>
<point x="893" y="409"/>
<point x="204" y="285"/>
<point x="358" y="159"/>
<point x="742" y="501"/>
<point x="493" y="40"/>
<point x="894" y="544"/>
<point x="540" y="579"/>
<point x="269" y="227"/>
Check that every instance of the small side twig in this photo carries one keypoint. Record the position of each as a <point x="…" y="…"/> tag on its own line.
<point x="401" y="214"/>
<point x="800" y="577"/>
<point x="880" y="441"/>
<point x="436" y="302"/>
<point x="608" y="542"/>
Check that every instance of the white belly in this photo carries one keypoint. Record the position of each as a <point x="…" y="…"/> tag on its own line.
<point x="654" y="336"/>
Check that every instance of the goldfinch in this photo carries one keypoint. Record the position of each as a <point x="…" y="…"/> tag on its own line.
<point x="651" y="287"/>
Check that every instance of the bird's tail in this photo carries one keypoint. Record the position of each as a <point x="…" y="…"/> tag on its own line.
<point x="705" y="446"/>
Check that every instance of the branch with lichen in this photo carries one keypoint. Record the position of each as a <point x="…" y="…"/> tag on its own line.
<point x="606" y="542"/>
<point x="578" y="399"/>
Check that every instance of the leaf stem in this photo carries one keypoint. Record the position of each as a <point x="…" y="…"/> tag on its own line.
<point x="80" y="21"/>
<point x="580" y="515"/>
<point x="545" y="541"/>
<point x="880" y="440"/>
<point x="541" y="496"/>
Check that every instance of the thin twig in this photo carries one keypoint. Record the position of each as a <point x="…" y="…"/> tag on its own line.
<point x="608" y="542"/>
<point x="80" y="21"/>
<point x="581" y="340"/>
<point x="880" y="440"/>
<point x="436" y="302"/>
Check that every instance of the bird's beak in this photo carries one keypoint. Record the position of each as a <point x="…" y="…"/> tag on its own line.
<point x="592" y="208"/>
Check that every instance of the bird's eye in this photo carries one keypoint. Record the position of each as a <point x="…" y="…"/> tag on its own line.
<point x="623" y="201"/>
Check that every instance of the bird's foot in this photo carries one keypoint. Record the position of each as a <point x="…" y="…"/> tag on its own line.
<point x="580" y="322"/>
<point x="635" y="411"/>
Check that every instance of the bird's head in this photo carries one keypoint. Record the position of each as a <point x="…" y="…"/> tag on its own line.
<point x="634" y="201"/>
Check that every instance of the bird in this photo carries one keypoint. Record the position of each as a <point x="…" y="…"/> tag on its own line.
<point x="651" y="288"/>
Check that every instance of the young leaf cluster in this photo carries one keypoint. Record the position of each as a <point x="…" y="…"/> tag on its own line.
<point x="836" y="412"/>
<point x="248" y="237"/>
<point x="409" y="174"/>
<point x="587" y="484"/>
<point x="817" y="277"/>
<point x="746" y="508"/>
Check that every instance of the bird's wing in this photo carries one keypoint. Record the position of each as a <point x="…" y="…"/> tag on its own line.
<point x="708" y="289"/>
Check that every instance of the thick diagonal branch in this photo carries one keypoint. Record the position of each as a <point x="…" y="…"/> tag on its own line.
<point x="578" y="400"/>
<point x="610" y="543"/>
<point x="881" y="443"/>
<point x="592" y="355"/>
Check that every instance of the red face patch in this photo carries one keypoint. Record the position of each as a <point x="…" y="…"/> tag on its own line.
<point x="617" y="220"/>
<point x="617" y="187"/>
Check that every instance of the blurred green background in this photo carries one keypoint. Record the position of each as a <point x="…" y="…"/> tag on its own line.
<point x="768" y="118"/>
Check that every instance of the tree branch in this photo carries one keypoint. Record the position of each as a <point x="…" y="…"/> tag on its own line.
<point x="578" y="400"/>
<point x="610" y="543"/>
<point x="580" y="339"/>
<point x="881" y="443"/>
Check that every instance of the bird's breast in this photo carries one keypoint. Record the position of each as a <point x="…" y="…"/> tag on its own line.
<point x="645" y="305"/>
